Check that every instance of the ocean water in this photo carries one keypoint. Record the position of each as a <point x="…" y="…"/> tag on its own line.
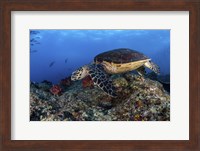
<point x="55" y="54"/>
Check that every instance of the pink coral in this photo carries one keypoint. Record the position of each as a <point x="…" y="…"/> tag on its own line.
<point x="56" y="90"/>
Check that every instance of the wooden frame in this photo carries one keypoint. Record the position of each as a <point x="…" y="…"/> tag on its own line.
<point x="6" y="6"/>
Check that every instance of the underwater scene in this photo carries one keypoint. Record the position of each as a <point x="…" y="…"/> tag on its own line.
<point x="100" y="75"/>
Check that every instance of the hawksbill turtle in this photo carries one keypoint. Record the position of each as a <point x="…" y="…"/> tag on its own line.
<point x="113" y="62"/>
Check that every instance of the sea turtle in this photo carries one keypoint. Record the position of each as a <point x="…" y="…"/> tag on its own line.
<point x="113" y="62"/>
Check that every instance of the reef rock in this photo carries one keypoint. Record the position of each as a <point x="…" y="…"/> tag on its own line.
<point x="139" y="99"/>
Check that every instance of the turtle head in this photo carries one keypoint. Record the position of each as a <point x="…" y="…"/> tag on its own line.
<point x="80" y="73"/>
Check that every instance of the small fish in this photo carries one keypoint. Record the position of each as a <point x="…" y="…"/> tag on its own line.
<point x="51" y="64"/>
<point x="33" y="40"/>
<point x="66" y="60"/>
<point x="33" y="51"/>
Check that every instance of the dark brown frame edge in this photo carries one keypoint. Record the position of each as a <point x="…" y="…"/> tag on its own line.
<point x="6" y="6"/>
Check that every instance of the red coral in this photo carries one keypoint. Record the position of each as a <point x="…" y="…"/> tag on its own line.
<point x="66" y="82"/>
<point x="87" y="82"/>
<point x="56" y="90"/>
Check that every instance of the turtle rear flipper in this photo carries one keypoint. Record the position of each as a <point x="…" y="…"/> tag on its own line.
<point x="152" y="66"/>
<point x="101" y="79"/>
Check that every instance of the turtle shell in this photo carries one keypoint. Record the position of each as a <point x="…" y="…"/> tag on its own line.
<point x="121" y="55"/>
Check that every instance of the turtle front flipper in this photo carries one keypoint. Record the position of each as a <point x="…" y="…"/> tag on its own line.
<point x="141" y="71"/>
<point x="152" y="66"/>
<point x="101" y="79"/>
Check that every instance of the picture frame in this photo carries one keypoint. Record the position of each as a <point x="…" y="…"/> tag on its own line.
<point x="7" y="6"/>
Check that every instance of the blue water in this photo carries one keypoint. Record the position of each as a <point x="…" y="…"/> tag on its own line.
<point x="55" y="54"/>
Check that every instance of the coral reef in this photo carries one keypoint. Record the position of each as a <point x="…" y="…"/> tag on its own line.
<point x="163" y="79"/>
<point x="65" y="82"/>
<point x="139" y="99"/>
